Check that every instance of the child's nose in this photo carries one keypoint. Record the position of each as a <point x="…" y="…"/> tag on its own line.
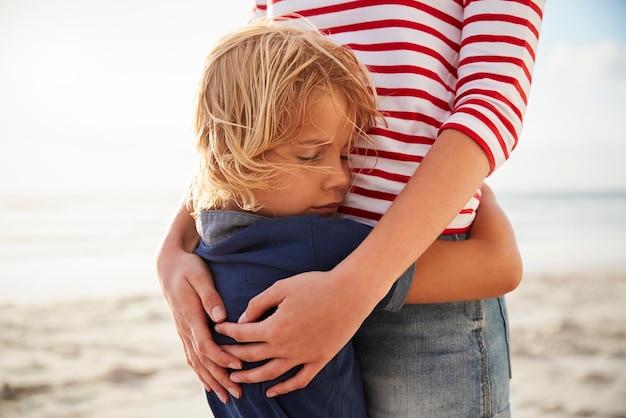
<point x="340" y="176"/>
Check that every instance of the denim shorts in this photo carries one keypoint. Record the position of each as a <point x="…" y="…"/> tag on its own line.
<point x="437" y="360"/>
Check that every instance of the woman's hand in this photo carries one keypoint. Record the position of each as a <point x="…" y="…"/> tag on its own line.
<point x="317" y="314"/>
<point x="188" y="287"/>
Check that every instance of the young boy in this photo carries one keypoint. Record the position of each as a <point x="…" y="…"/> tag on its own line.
<point x="279" y="109"/>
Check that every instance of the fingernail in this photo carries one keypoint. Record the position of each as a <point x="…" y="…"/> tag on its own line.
<point x="271" y="394"/>
<point x="235" y="393"/>
<point x="242" y="318"/>
<point x="235" y="378"/>
<point x="218" y="313"/>
<point x="234" y="366"/>
<point x="224" y="399"/>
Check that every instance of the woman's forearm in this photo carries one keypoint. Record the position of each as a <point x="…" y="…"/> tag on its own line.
<point x="449" y="175"/>
<point x="181" y="232"/>
<point x="179" y="241"/>
<point x="488" y="264"/>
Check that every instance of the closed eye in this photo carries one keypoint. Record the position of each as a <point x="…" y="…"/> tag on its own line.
<point x="310" y="158"/>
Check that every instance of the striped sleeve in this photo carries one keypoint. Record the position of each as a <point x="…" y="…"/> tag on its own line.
<point x="496" y="58"/>
<point x="259" y="10"/>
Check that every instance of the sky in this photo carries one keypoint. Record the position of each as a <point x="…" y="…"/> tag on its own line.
<point x="97" y="95"/>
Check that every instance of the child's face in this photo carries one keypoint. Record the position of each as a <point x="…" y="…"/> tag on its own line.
<point x="324" y="143"/>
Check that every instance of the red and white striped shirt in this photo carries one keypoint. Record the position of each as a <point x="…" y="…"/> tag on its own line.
<point x="436" y="64"/>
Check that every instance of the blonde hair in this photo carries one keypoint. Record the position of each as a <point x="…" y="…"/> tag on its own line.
<point x="255" y="94"/>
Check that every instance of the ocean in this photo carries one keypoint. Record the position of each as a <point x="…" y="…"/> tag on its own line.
<point x="93" y="245"/>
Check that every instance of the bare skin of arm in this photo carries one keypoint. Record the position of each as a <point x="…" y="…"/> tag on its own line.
<point x="487" y="265"/>
<point x="186" y="282"/>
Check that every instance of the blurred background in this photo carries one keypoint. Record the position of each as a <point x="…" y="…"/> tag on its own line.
<point x="96" y="151"/>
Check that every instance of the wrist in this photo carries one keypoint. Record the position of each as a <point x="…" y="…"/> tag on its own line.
<point x="169" y="258"/>
<point x="361" y="284"/>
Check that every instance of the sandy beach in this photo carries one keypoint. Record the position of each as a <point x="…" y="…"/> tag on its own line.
<point x="122" y="357"/>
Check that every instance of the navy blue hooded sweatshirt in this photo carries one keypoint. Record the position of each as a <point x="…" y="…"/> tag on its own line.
<point x="247" y="253"/>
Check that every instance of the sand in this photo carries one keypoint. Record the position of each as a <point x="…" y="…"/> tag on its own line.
<point x="122" y="358"/>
